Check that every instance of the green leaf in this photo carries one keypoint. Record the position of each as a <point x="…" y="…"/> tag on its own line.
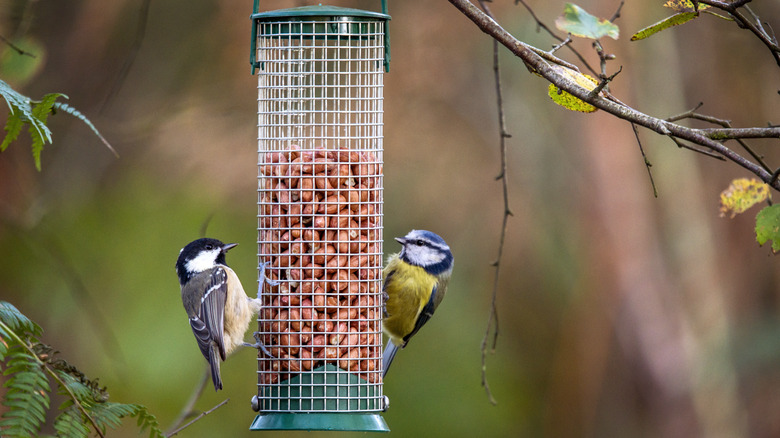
<point x="768" y="226"/>
<point x="742" y="194"/>
<point x="578" y="22"/>
<point x="674" y="20"/>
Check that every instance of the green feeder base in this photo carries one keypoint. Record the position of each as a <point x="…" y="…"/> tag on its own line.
<point x="325" y="388"/>
<point x="359" y="422"/>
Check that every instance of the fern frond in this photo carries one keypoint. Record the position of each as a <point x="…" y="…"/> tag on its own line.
<point x="39" y="132"/>
<point x="70" y="424"/>
<point x="16" y="320"/>
<point x="77" y="114"/>
<point x="28" y="364"/>
<point x="147" y="421"/>
<point x="35" y="113"/>
<point x="27" y="394"/>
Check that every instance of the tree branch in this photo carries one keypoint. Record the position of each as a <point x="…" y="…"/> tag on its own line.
<point x="733" y="9"/>
<point x="609" y="104"/>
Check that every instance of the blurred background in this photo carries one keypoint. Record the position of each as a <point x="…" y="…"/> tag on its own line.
<point x="621" y="314"/>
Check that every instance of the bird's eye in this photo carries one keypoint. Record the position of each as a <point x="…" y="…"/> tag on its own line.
<point x="420" y="242"/>
<point x="209" y="246"/>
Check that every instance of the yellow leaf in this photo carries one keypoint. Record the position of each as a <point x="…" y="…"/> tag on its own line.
<point x="567" y="100"/>
<point x="684" y="6"/>
<point x="742" y="194"/>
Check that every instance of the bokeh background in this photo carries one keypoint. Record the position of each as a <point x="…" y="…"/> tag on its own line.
<point x="621" y="314"/>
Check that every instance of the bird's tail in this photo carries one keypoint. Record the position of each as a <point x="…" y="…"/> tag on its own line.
<point x="388" y="356"/>
<point x="214" y="360"/>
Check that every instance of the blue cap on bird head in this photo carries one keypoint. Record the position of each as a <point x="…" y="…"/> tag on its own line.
<point x="427" y="250"/>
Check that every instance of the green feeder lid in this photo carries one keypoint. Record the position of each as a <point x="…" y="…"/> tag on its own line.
<point x="304" y="20"/>
<point x="318" y="12"/>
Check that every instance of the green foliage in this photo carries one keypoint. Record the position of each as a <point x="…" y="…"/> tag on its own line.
<point x="685" y="12"/>
<point x="28" y="364"/>
<point x="578" y="22"/>
<point x="27" y="394"/>
<point x="768" y="226"/>
<point x="24" y="110"/>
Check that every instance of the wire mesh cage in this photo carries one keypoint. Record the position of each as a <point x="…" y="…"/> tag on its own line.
<point x="320" y="93"/>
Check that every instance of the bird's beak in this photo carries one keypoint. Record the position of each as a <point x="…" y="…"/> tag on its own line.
<point x="400" y="240"/>
<point x="228" y="246"/>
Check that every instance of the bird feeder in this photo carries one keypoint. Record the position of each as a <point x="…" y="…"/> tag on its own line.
<point x="320" y="71"/>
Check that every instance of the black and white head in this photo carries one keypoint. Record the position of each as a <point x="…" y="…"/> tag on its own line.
<point x="426" y="250"/>
<point x="200" y="255"/>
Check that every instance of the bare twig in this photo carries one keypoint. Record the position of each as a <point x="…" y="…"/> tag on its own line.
<point x="202" y="414"/>
<point x="733" y="8"/>
<point x="186" y="410"/>
<point x="541" y="25"/>
<point x="644" y="157"/>
<point x="16" y="48"/>
<point x="616" y="15"/>
<point x="140" y="32"/>
<point x="603" y="83"/>
<point x="730" y="133"/>
<point x="492" y="324"/>
<point x="705" y="152"/>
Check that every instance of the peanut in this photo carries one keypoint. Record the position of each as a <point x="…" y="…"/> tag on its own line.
<point x="319" y="223"/>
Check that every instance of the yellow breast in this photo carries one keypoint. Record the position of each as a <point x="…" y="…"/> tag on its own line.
<point x="408" y="290"/>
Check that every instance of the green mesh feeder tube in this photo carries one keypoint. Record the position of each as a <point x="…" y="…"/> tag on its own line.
<point x="319" y="234"/>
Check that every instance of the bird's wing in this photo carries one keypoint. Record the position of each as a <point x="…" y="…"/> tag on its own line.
<point x="425" y="314"/>
<point x="212" y="312"/>
<point x="385" y="295"/>
<point x="201" y="335"/>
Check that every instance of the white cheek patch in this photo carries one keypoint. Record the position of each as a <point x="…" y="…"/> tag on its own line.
<point x="204" y="260"/>
<point x="423" y="256"/>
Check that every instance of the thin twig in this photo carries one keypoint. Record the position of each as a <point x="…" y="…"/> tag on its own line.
<point x="140" y="32"/>
<point x="705" y="152"/>
<point x="541" y="25"/>
<point x="16" y="48"/>
<point x="492" y="324"/>
<point x="604" y="82"/>
<point x="730" y="133"/>
<point x="201" y="415"/>
<point x="644" y="157"/>
<point x="733" y="8"/>
<point x="186" y="410"/>
<point x="616" y="15"/>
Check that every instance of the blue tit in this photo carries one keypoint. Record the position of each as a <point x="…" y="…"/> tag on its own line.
<point x="415" y="283"/>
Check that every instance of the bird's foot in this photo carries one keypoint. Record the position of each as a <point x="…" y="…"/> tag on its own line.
<point x="263" y="279"/>
<point x="258" y="345"/>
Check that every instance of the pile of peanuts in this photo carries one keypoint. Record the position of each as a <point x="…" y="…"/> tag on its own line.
<point x="319" y="224"/>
